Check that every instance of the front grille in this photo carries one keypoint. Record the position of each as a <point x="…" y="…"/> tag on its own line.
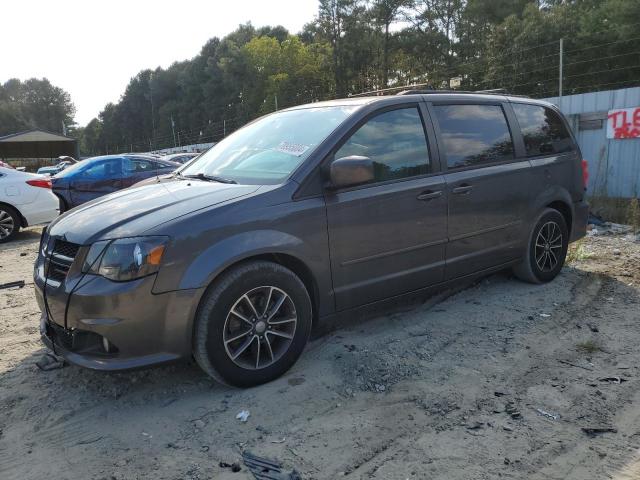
<point x="66" y="249"/>
<point x="60" y="259"/>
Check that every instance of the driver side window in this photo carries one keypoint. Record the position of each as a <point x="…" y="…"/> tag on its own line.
<point x="394" y="141"/>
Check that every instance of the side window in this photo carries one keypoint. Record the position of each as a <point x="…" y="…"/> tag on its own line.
<point x="104" y="169"/>
<point x="137" y="165"/>
<point x="474" y="134"/>
<point x="543" y="131"/>
<point x="394" y="141"/>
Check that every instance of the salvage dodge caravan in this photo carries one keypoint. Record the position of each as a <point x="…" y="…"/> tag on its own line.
<point x="303" y="214"/>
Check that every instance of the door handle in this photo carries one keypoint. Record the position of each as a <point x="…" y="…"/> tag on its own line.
<point x="429" y="195"/>
<point x="463" y="189"/>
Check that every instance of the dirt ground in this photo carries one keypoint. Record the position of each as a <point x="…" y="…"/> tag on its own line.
<point x="496" y="381"/>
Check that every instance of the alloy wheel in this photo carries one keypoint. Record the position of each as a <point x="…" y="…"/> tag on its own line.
<point x="7" y="224"/>
<point x="548" y="247"/>
<point x="260" y="327"/>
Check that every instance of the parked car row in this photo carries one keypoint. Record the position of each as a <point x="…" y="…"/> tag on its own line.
<point x="98" y="176"/>
<point x="25" y="199"/>
<point x="64" y="162"/>
<point x="28" y="199"/>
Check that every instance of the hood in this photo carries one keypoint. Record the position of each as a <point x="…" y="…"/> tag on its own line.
<point x="135" y="210"/>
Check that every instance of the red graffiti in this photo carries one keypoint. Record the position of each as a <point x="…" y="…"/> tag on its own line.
<point x="626" y="124"/>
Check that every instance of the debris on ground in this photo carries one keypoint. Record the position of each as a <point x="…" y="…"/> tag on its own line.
<point x="612" y="379"/>
<point x="544" y="413"/>
<point x="609" y="228"/>
<point x="511" y="409"/>
<point x="266" y="469"/>
<point x="243" y="416"/>
<point x="16" y="284"/>
<point x="595" y="431"/>
<point x="235" y="466"/>
<point x="49" y="361"/>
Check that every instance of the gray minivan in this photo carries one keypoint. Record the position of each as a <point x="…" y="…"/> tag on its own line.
<point x="303" y="214"/>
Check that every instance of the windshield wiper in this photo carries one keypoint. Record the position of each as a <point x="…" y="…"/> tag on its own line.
<point x="209" y="178"/>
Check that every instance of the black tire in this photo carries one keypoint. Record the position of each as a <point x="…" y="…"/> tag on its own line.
<point x="9" y="223"/>
<point x="544" y="259"/>
<point x="214" y="319"/>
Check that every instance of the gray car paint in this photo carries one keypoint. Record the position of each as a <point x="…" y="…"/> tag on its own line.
<point x="351" y="247"/>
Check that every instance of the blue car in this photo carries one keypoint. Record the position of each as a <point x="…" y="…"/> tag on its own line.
<point x="98" y="176"/>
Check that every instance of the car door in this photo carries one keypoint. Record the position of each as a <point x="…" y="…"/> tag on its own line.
<point x="98" y="179"/>
<point x="487" y="183"/>
<point x="389" y="236"/>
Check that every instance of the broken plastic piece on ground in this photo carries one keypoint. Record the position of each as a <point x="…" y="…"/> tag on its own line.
<point x="50" y="362"/>
<point x="593" y="431"/>
<point x="266" y="469"/>
<point x="612" y="379"/>
<point x="16" y="284"/>
<point x="243" y="415"/>
<point x="544" y="413"/>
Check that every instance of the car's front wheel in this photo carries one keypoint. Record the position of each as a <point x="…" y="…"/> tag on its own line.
<point x="252" y="324"/>
<point x="9" y="223"/>
<point x="546" y="249"/>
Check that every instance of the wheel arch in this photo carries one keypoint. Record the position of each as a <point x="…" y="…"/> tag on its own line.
<point x="565" y="210"/>
<point x="287" y="260"/>
<point x="23" y="221"/>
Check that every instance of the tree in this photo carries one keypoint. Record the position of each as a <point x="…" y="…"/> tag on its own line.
<point x="34" y="104"/>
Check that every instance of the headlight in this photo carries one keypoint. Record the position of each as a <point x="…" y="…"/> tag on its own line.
<point x="126" y="258"/>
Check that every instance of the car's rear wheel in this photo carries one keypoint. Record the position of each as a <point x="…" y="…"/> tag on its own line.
<point x="252" y="324"/>
<point x="9" y="223"/>
<point x="546" y="250"/>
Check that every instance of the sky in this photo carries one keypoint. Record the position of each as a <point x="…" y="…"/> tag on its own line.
<point x="93" y="48"/>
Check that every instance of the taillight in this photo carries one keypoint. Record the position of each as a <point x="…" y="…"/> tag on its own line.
<point x="585" y="174"/>
<point x="40" y="182"/>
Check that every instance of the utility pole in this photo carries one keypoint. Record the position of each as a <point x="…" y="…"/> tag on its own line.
<point x="173" y="130"/>
<point x="276" y="98"/>
<point x="153" y="119"/>
<point x="560" y="73"/>
<point x="224" y="128"/>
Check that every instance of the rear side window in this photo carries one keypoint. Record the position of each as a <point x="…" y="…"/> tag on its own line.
<point x="138" y="165"/>
<point x="104" y="169"/>
<point x="394" y="141"/>
<point x="543" y="130"/>
<point x="474" y="134"/>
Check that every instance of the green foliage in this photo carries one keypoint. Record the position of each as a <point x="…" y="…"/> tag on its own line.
<point x="353" y="46"/>
<point x="633" y="214"/>
<point x="32" y="104"/>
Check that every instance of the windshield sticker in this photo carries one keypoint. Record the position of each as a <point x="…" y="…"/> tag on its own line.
<point x="292" y="148"/>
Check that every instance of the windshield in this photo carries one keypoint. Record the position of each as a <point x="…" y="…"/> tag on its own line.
<point x="268" y="150"/>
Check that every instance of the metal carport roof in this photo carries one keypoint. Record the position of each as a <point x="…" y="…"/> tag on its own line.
<point x="37" y="144"/>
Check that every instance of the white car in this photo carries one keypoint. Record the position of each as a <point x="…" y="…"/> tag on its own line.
<point x="26" y="199"/>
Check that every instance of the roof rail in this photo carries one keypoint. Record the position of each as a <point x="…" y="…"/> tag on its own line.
<point x="493" y="91"/>
<point x="382" y="91"/>
<point x="412" y="90"/>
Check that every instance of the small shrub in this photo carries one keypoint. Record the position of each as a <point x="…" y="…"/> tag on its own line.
<point x="633" y="214"/>
<point x="577" y="251"/>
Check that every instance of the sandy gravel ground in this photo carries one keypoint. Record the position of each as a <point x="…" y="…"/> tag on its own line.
<point x="496" y="381"/>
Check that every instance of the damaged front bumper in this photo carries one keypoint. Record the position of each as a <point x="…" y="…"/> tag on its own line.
<point x="104" y="325"/>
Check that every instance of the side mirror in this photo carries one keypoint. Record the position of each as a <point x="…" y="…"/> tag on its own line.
<point x="350" y="171"/>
